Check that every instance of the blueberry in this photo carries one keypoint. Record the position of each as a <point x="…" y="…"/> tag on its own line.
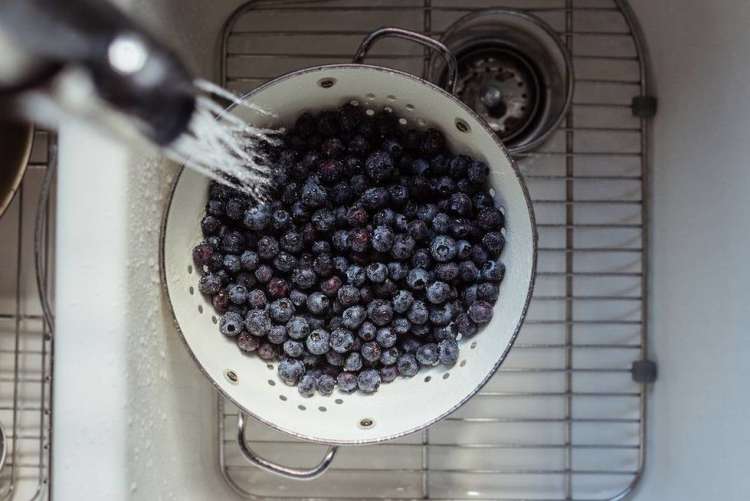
<point x="388" y="373"/>
<point x="340" y="240"/>
<point x="384" y="217"/>
<point x="277" y="334"/>
<point x="417" y="279"/>
<point x="399" y="194"/>
<point x="323" y="220"/>
<point x="443" y="248"/>
<point x="341" y="193"/>
<point x="220" y="301"/>
<point x="305" y="260"/>
<point x="257" y="218"/>
<point x="444" y="186"/>
<point x="385" y="289"/>
<point x="348" y="295"/>
<point x="209" y="284"/>
<point x="356" y="275"/>
<point x="461" y="228"/>
<point x="421" y="259"/>
<point x="311" y="361"/>
<point x="432" y="142"/>
<point x="326" y="384"/>
<point x="410" y="344"/>
<point x="402" y="301"/>
<point x="407" y="365"/>
<point x="393" y="148"/>
<point x="281" y="219"/>
<point x="231" y="324"/>
<point x="307" y="385"/>
<point x="353" y="317"/>
<point x="420" y="167"/>
<point x="249" y="260"/>
<point x="331" y="286"/>
<point x="368" y="381"/>
<point x="375" y="198"/>
<point x="223" y="276"/>
<point x="469" y="294"/>
<point x="427" y="354"/>
<point x="237" y="294"/>
<point x="483" y="200"/>
<point x="438" y="292"/>
<point x="235" y="208"/>
<point x="479" y="255"/>
<point x="321" y="247"/>
<point x="318" y="341"/>
<point x="340" y="264"/>
<point x="359" y="239"/>
<point x="347" y="382"/>
<point x="418" y="313"/>
<point x="359" y="184"/>
<point x="419" y="230"/>
<point x="281" y="310"/>
<point x="356" y="216"/>
<point x="293" y="348"/>
<point x="268" y="247"/>
<point x="488" y="292"/>
<point x="444" y="332"/>
<point x="386" y="337"/>
<point x="318" y="303"/>
<point x="256" y="298"/>
<point x="460" y="203"/>
<point x="448" y="352"/>
<point x="446" y="272"/>
<point x="257" y="323"/>
<point x="231" y="263"/>
<point x="304" y="278"/>
<point x="291" y="241"/>
<point x="397" y="271"/>
<point x="427" y="212"/>
<point x="202" y="254"/>
<point x="377" y="272"/>
<point x="493" y="271"/>
<point x="493" y="241"/>
<point x="401" y="223"/>
<point x="232" y="242"/>
<point x="441" y="222"/>
<point x="290" y="193"/>
<point x="480" y="312"/>
<point x="298" y="328"/>
<point x="247" y="343"/>
<point x="290" y="371"/>
<point x="336" y="321"/>
<point x="331" y="148"/>
<point x="382" y="238"/>
<point x="403" y="246"/>
<point x="380" y="312"/>
<point x="334" y="359"/>
<point x="298" y="298"/>
<point x="341" y="340"/>
<point x="353" y="362"/>
<point x="468" y="271"/>
<point x="458" y="166"/>
<point x="263" y="273"/>
<point x="284" y="262"/>
<point x="210" y="225"/>
<point x="323" y="265"/>
<point x="389" y="356"/>
<point x="478" y="172"/>
<point x="441" y="315"/>
<point x="401" y="326"/>
<point x="313" y="194"/>
<point x="300" y="214"/>
<point x="367" y="331"/>
<point x="463" y="250"/>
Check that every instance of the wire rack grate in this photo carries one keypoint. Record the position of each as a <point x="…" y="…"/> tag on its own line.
<point x="25" y="339"/>
<point x="563" y="418"/>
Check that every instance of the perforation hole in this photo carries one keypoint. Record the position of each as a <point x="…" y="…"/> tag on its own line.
<point x="327" y="83"/>
<point x="410" y="107"/>
<point x="190" y="269"/>
<point x="322" y="409"/>
<point x="282" y="398"/>
<point x="428" y="379"/>
<point x="214" y="319"/>
<point x="462" y="364"/>
<point x="302" y="407"/>
<point x="446" y="375"/>
<point x="269" y="366"/>
<point x="200" y="309"/>
<point x="473" y="345"/>
<point x="387" y="109"/>
<point x="462" y="126"/>
<point x="271" y="382"/>
<point x="354" y="102"/>
<point x="370" y="112"/>
<point x="339" y="401"/>
<point x="370" y="96"/>
<point x="403" y="121"/>
<point x="191" y="290"/>
<point x="391" y="97"/>
<point x="421" y="122"/>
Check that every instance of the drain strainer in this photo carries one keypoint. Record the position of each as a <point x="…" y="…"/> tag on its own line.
<point x="513" y="71"/>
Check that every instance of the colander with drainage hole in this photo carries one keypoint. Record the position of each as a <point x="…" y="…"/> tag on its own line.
<point x="405" y="405"/>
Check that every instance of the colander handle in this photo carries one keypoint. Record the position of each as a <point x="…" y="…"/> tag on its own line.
<point x="284" y="471"/>
<point x="450" y="59"/>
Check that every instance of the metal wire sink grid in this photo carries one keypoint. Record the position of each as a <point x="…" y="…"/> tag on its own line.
<point x="563" y="419"/>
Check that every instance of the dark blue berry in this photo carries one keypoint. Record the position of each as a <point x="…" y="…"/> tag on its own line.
<point x="342" y="340"/>
<point x="427" y="354"/>
<point x="384" y="217"/>
<point x="388" y="373"/>
<point x="290" y="371"/>
<point x="232" y="242"/>
<point x="468" y="271"/>
<point x="334" y="359"/>
<point x="340" y="240"/>
<point x="356" y="275"/>
<point x="480" y="312"/>
<point x="444" y="332"/>
<point x="438" y="292"/>
<point x="331" y="286"/>
<point x="375" y="198"/>
<point x="263" y="273"/>
<point x="403" y="246"/>
<point x="304" y="278"/>
<point x="427" y="212"/>
<point x="235" y="208"/>
<point x="358" y="145"/>
<point x="298" y="298"/>
<point x="442" y="315"/>
<point x="417" y="279"/>
<point x="379" y="166"/>
<point x="488" y="292"/>
<point x="401" y="223"/>
<point x="382" y="238"/>
<point x="418" y="313"/>
<point x="493" y="271"/>
<point x="389" y="356"/>
<point x="483" y="200"/>
<point x="461" y="228"/>
<point x="407" y="365"/>
<point x="281" y="310"/>
<point x="368" y="381"/>
<point x="446" y="272"/>
<point x="460" y="203"/>
<point x="443" y="248"/>
<point x="257" y="218"/>
<point x="397" y="271"/>
<point x="313" y="194"/>
<point x="331" y="148"/>
<point x="323" y="265"/>
<point x="291" y="242"/>
<point x="237" y="294"/>
<point x="293" y="348"/>
<point x="246" y="279"/>
<point x="307" y="385"/>
<point x="321" y="247"/>
<point x="210" y="225"/>
<point x="348" y="295"/>
<point x="323" y="220"/>
<point x="359" y="239"/>
<point x="385" y="289"/>
<point x="386" y="337"/>
<point x="209" y="284"/>
<point x="432" y="142"/>
<point x="359" y="184"/>
<point x="284" y="262"/>
<point x="353" y="317"/>
<point x="419" y="230"/>
<point x="347" y="382"/>
<point x="367" y="331"/>
<point x="318" y="341"/>
<point x="420" y="167"/>
<point x="448" y="352"/>
<point x="441" y="222"/>
<point x="268" y="247"/>
<point x="340" y="264"/>
<point x="444" y="186"/>
<point x="478" y="172"/>
<point x="281" y="220"/>
<point x="341" y="193"/>
<point x="232" y="263"/>
<point x="300" y="214"/>
<point x="202" y="254"/>
<point x="249" y="260"/>
<point x="399" y="194"/>
<point x="277" y="334"/>
<point x="247" y="343"/>
<point x="380" y="312"/>
<point x="494" y="242"/>
<point x="377" y="272"/>
<point x="256" y="298"/>
<point x="421" y="259"/>
<point x="231" y="324"/>
<point x="318" y="303"/>
<point x="326" y="384"/>
<point x="393" y="148"/>
<point x="353" y="362"/>
<point x="257" y="323"/>
<point x="298" y="328"/>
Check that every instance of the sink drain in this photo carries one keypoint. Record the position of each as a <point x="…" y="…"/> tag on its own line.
<point x="513" y="71"/>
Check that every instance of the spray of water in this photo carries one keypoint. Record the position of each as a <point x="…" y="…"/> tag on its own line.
<point x="224" y="147"/>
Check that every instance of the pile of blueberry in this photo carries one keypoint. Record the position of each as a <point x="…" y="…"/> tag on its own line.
<point x="377" y="252"/>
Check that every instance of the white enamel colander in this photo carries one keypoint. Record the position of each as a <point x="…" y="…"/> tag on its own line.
<point x="405" y="405"/>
